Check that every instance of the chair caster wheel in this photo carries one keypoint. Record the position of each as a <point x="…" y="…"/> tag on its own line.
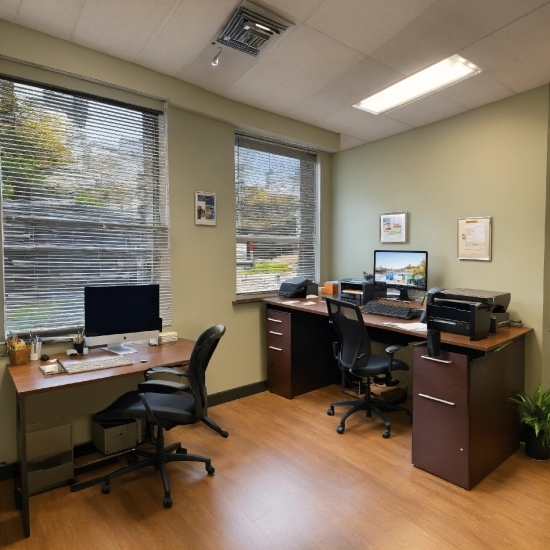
<point x="106" y="488"/>
<point x="330" y="411"/>
<point x="210" y="470"/>
<point x="340" y="429"/>
<point x="181" y="451"/>
<point x="386" y="434"/>
<point x="225" y="434"/>
<point x="167" y="502"/>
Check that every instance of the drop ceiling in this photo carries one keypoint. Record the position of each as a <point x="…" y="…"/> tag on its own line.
<point x="335" y="53"/>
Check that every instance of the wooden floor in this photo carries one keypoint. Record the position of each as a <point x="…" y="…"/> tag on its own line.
<point x="286" y="480"/>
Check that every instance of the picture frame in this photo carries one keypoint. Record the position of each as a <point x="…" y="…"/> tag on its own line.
<point x="393" y="227"/>
<point x="205" y="208"/>
<point x="474" y="238"/>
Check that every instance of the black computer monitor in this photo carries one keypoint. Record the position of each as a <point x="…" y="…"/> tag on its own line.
<point x="401" y="270"/>
<point x="115" y="315"/>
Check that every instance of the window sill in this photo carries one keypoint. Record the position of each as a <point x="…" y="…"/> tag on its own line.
<point x="252" y="299"/>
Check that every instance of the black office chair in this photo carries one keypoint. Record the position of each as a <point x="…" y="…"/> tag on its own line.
<point x="169" y="386"/>
<point x="165" y="411"/>
<point x="353" y="352"/>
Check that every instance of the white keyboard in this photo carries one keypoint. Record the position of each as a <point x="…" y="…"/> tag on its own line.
<point x="82" y="365"/>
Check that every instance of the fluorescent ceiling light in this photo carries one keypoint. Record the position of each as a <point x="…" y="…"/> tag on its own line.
<point x="438" y="76"/>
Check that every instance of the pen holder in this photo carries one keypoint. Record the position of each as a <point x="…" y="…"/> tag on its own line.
<point x="19" y="356"/>
<point x="36" y="350"/>
<point x="79" y="347"/>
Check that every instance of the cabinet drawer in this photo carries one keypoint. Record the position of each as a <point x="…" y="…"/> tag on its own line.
<point x="277" y="325"/>
<point x="434" y="390"/>
<point x="447" y="367"/>
<point x="278" y="368"/>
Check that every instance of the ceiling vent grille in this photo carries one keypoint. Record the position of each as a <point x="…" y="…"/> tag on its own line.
<point x="248" y="31"/>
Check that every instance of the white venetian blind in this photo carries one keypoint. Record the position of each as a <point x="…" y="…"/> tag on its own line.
<point x="276" y="195"/>
<point x="84" y="202"/>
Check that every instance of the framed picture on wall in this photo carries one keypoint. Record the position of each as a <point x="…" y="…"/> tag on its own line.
<point x="205" y="208"/>
<point x="474" y="238"/>
<point x="393" y="227"/>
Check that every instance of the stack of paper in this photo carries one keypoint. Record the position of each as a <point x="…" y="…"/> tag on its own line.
<point x="165" y="337"/>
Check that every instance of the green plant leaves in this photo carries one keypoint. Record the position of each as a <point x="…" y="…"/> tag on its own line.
<point x="535" y="412"/>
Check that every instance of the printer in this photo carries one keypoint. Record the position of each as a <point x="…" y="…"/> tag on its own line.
<point x="298" y="287"/>
<point x="473" y="313"/>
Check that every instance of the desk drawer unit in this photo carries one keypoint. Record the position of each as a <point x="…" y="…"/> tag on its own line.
<point x="278" y="338"/>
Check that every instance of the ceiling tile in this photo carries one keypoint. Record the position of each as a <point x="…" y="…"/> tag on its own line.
<point x="56" y="17"/>
<point x="9" y="9"/>
<point x="362" y="125"/>
<point x="365" y="25"/>
<point x="446" y="27"/>
<point x="426" y="110"/>
<point x="364" y="79"/>
<point x="529" y="39"/>
<point x="298" y="11"/>
<point x="192" y="27"/>
<point x="122" y="28"/>
<point x="305" y="54"/>
<point x="476" y="91"/>
<point x="502" y="64"/>
<point x="347" y="142"/>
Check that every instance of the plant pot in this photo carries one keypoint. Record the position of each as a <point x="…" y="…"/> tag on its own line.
<point x="533" y="445"/>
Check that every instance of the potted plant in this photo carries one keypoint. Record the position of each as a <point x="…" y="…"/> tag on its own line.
<point x="534" y="413"/>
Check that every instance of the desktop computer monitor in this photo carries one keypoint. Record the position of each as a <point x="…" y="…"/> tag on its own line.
<point x="115" y="315"/>
<point x="401" y="270"/>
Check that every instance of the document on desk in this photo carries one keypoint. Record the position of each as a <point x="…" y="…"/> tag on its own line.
<point x="296" y="302"/>
<point x="415" y="327"/>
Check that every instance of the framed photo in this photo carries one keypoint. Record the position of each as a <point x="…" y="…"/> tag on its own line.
<point x="474" y="238"/>
<point x="393" y="227"/>
<point x="205" y="208"/>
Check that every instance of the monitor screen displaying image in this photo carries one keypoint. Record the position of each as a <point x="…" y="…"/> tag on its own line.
<point x="401" y="269"/>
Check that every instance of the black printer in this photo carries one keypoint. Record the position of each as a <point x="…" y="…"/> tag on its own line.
<point x="473" y="313"/>
<point x="298" y="287"/>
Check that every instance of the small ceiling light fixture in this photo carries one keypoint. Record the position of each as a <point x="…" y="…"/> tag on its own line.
<point x="438" y="76"/>
<point x="216" y="59"/>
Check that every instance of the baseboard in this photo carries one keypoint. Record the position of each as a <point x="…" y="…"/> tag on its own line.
<point x="7" y="471"/>
<point x="236" y="393"/>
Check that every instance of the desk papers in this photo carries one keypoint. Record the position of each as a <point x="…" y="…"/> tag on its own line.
<point x="415" y="327"/>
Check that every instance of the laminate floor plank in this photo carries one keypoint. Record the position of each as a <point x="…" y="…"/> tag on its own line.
<point x="286" y="480"/>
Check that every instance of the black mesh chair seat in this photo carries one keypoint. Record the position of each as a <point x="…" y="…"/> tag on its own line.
<point x="165" y="410"/>
<point x="353" y="352"/>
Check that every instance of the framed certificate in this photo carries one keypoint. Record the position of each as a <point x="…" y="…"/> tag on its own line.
<point x="474" y="238"/>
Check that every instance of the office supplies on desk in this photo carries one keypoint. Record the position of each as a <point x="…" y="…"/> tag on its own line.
<point x="82" y="365"/>
<point x="391" y="310"/>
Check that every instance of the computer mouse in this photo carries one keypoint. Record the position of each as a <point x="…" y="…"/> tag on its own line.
<point x="45" y="357"/>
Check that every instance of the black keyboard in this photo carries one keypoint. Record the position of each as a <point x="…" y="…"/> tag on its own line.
<point x="391" y="310"/>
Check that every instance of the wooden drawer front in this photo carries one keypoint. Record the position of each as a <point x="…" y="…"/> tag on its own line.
<point x="278" y="325"/>
<point x="429" y="389"/>
<point x="278" y="368"/>
<point x="440" y="442"/>
<point x="447" y="367"/>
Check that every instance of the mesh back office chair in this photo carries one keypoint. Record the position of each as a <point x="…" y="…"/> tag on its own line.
<point x="165" y="410"/>
<point x="169" y="386"/>
<point x="353" y="352"/>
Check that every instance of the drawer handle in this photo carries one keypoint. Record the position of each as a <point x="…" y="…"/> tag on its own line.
<point x="274" y="320"/>
<point x="436" y="399"/>
<point x="276" y="349"/>
<point x="277" y="333"/>
<point x="436" y="360"/>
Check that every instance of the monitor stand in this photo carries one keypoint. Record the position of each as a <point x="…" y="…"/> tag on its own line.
<point x="398" y="295"/>
<point x="120" y="349"/>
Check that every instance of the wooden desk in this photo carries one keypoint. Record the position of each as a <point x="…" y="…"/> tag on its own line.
<point x="464" y="425"/>
<point x="29" y="380"/>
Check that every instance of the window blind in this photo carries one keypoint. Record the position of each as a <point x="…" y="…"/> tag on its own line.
<point x="84" y="202"/>
<point x="276" y="215"/>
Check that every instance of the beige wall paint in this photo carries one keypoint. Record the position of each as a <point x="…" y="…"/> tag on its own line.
<point x="491" y="161"/>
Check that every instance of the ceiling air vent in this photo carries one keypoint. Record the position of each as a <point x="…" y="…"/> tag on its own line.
<point x="248" y="31"/>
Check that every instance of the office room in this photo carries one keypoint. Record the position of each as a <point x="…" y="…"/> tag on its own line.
<point x="479" y="148"/>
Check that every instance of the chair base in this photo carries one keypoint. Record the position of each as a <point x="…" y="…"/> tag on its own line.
<point x="370" y="405"/>
<point x="158" y="459"/>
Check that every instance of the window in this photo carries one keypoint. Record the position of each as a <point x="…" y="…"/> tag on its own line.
<point x="277" y="206"/>
<point x="84" y="202"/>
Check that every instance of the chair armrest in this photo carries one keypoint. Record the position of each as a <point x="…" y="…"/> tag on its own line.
<point x="166" y="370"/>
<point x="392" y="349"/>
<point x="161" y="386"/>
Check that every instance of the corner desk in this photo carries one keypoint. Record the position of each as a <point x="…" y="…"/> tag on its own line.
<point x="29" y="380"/>
<point x="464" y="425"/>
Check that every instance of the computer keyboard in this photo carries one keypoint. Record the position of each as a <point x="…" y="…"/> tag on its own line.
<point x="391" y="310"/>
<point x="82" y="365"/>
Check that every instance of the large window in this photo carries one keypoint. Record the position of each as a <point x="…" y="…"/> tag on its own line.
<point x="277" y="212"/>
<point x="84" y="202"/>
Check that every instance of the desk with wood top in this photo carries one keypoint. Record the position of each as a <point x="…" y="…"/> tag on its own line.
<point x="29" y="380"/>
<point x="464" y="425"/>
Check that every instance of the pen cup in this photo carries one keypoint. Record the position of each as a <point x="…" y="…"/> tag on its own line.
<point x="79" y="347"/>
<point x="36" y="350"/>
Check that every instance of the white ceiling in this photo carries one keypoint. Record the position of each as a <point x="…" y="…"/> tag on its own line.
<point x="336" y="53"/>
